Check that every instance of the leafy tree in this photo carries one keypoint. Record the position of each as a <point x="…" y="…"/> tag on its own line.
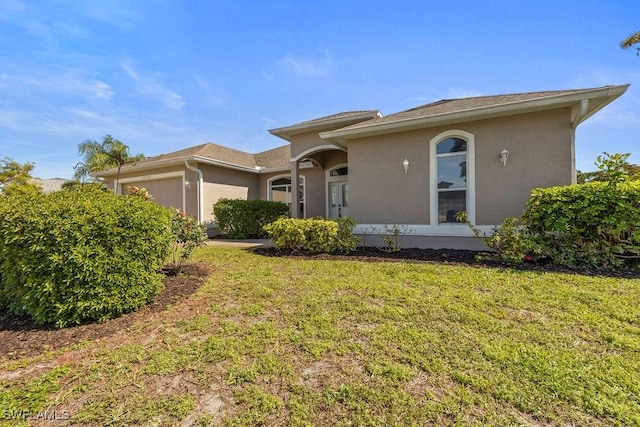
<point x="633" y="39"/>
<point x="612" y="168"/>
<point x="16" y="176"/>
<point x="14" y="172"/>
<point x="98" y="156"/>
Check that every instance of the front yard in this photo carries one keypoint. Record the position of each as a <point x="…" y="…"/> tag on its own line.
<point x="286" y="341"/>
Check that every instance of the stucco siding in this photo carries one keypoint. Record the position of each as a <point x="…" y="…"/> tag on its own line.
<point x="379" y="190"/>
<point x="308" y="142"/>
<point x="539" y="146"/>
<point x="214" y="192"/>
<point x="226" y="183"/>
<point x="315" y="192"/>
<point x="540" y="156"/>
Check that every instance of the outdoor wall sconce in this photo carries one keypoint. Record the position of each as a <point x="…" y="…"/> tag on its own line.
<point x="405" y="165"/>
<point x="504" y="155"/>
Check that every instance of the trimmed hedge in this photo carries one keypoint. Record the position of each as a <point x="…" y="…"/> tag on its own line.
<point x="80" y="255"/>
<point x="594" y="224"/>
<point x="313" y="235"/>
<point x="245" y="219"/>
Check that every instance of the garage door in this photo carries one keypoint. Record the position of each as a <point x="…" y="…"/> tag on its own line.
<point x="166" y="192"/>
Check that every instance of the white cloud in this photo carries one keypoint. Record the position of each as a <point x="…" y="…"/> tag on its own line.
<point x="210" y="95"/>
<point x="456" y="92"/>
<point x="150" y="85"/>
<point x="66" y="82"/>
<point x="14" y="119"/>
<point x="130" y="72"/>
<point x="306" y="66"/>
<point x="93" y="115"/>
<point x="100" y="89"/>
<point x="12" y="6"/>
<point x="117" y="13"/>
<point x="71" y="29"/>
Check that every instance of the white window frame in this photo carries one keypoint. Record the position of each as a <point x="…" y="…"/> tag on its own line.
<point x="304" y="190"/>
<point x="433" y="178"/>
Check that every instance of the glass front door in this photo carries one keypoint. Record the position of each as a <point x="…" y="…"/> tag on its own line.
<point x="338" y="199"/>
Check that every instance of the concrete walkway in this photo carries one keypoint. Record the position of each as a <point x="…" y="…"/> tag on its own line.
<point x="228" y="243"/>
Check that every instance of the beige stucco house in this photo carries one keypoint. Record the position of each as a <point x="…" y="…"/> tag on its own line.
<point x="416" y="168"/>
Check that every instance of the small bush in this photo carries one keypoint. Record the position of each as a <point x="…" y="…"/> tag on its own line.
<point x="313" y="235"/>
<point x="79" y="255"/>
<point x="594" y="224"/>
<point x="188" y="235"/>
<point x="245" y="219"/>
<point x="510" y="240"/>
<point x="392" y="236"/>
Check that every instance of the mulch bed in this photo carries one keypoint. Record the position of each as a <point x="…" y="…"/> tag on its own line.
<point x="455" y="257"/>
<point x="21" y="336"/>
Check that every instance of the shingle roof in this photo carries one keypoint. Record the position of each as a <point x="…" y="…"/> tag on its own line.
<point x="274" y="158"/>
<point x="445" y="106"/>
<point x="50" y="185"/>
<point x="331" y="122"/>
<point x="208" y="150"/>
<point x="344" y="114"/>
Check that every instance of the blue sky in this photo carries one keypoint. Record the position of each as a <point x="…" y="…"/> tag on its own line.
<point x="166" y="75"/>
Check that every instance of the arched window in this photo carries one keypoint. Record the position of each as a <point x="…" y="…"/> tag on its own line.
<point x="452" y="177"/>
<point x="280" y="191"/>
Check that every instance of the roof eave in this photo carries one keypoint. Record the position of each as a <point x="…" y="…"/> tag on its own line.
<point x="594" y="108"/>
<point x="178" y="161"/>
<point x="228" y="165"/>
<point x="143" y="166"/>
<point x="608" y="93"/>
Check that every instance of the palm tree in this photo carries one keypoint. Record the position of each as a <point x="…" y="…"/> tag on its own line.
<point x="98" y="156"/>
<point x="630" y="41"/>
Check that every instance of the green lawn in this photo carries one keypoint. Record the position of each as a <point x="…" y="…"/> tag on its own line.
<point x="283" y="341"/>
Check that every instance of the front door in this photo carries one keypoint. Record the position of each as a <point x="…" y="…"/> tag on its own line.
<point x="338" y="199"/>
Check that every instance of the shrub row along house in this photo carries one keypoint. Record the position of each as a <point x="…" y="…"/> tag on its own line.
<point x="416" y="168"/>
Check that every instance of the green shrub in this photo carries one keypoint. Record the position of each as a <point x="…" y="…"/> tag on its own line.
<point x="79" y="255"/>
<point x="392" y="236"/>
<point x="593" y="224"/>
<point x="510" y="240"/>
<point x="245" y="219"/>
<point x="188" y="235"/>
<point x="313" y="235"/>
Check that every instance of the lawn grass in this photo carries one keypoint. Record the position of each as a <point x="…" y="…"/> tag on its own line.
<point x="285" y="341"/>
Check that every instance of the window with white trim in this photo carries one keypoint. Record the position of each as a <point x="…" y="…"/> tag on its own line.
<point x="452" y="177"/>
<point x="280" y="191"/>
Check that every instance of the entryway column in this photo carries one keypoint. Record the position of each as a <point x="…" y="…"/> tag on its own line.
<point x="295" y="189"/>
